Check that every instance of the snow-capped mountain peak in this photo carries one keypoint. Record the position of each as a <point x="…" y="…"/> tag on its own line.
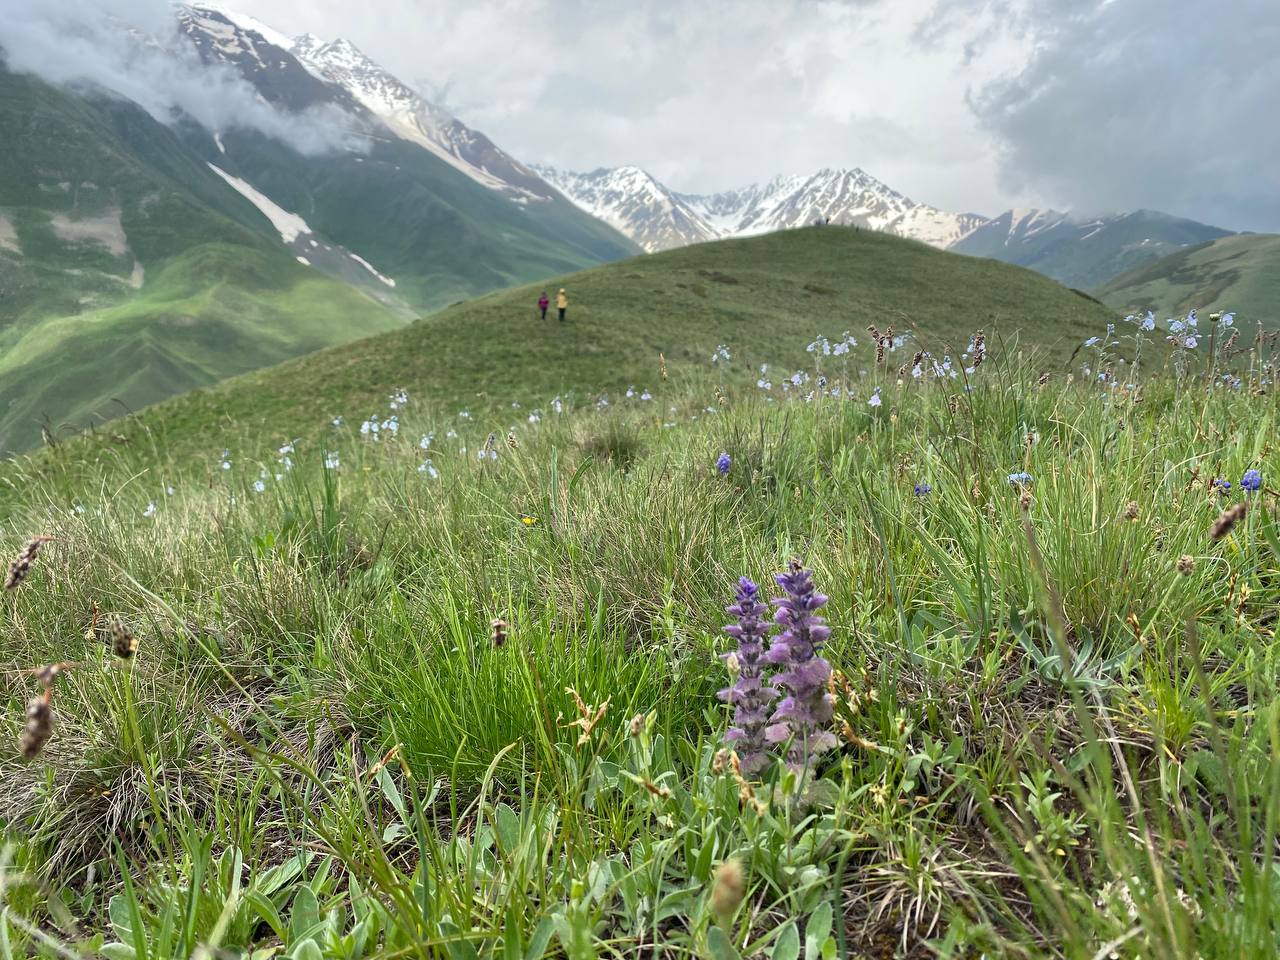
<point x="412" y="117"/>
<point x="657" y="218"/>
<point x="635" y="203"/>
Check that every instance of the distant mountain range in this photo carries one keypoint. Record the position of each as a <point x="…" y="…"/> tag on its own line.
<point x="1083" y="252"/>
<point x="659" y="218"/>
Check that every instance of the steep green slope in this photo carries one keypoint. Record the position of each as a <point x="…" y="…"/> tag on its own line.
<point x="1083" y="253"/>
<point x="1240" y="273"/>
<point x="91" y="186"/>
<point x="129" y="271"/>
<point x="764" y="297"/>
<point x="213" y="312"/>
<point x="440" y="235"/>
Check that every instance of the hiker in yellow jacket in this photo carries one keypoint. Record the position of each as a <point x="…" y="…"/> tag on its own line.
<point x="562" y="303"/>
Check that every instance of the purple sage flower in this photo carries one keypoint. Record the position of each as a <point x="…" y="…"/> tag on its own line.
<point x="805" y="712"/>
<point x="723" y="463"/>
<point x="1252" y="479"/>
<point x="751" y="694"/>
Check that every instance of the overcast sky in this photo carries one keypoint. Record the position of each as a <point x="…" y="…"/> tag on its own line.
<point x="971" y="105"/>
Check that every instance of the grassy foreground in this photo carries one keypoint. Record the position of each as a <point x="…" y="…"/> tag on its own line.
<point x="290" y="725"/>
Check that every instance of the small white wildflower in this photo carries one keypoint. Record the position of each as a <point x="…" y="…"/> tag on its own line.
<point x="151" y="509"/>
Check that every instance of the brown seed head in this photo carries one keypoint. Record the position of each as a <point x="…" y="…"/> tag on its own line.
<point x="38" y="728"/>
<point x="1024" y="501"/>
<point x="512" y="441"/>
<point x="1186" y="563"/>
<point x="1131" y="510"/>
<point x="498" y="631"/>
<point x="1043" y="378"/>
<point x="720" y="762"/>
<point x="21" y="565"/>
<point x="729" y="889"/>
<point x="123" y="643"/>
<point x="1227" y="520"/>
<point x="662" y="366"/>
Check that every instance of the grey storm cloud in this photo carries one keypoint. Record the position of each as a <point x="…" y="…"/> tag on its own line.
<point x="132" y="48"/>
<point x="1165" y="104"/>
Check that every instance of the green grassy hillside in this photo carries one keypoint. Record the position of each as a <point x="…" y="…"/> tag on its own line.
<point x="765" y="298"/>
<point x="1240" y="273"/>
<point x="215" y="311"/>
<point x="130" y="272"/>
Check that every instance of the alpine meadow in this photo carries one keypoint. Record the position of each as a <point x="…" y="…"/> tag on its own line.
<point x="398" y="562"/>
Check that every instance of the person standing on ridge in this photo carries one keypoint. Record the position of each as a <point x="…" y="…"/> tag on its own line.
<point x="562" y="303"/>
<point x="543" y="303"/>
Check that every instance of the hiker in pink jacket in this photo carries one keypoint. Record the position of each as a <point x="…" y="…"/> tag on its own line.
<point x="543" y="303"/>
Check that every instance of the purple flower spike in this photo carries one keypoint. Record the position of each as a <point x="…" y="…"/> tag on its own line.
<point x="804" y="715"/>
<point x="751" y="694"/>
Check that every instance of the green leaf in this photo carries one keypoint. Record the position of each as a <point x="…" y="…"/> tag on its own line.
<point x="306" y="950"/>
<point x="702" y="866"/>
<point x="507" y="823"/>
<point x="511" y="947"/>
<point x="787" y="946"/>
<point x="117" y="951"/>
<point x="720" y="946"/>
<point x="817" y="930"/>
<point x="541" y="937"/>
<point x="121" y="918"/>
<point x="266" y="911"/>
<point x="305" y="916"/>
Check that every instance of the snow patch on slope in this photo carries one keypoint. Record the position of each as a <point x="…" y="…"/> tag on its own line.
<point x="290" y="225"/>
<point x="368" y="266"/>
